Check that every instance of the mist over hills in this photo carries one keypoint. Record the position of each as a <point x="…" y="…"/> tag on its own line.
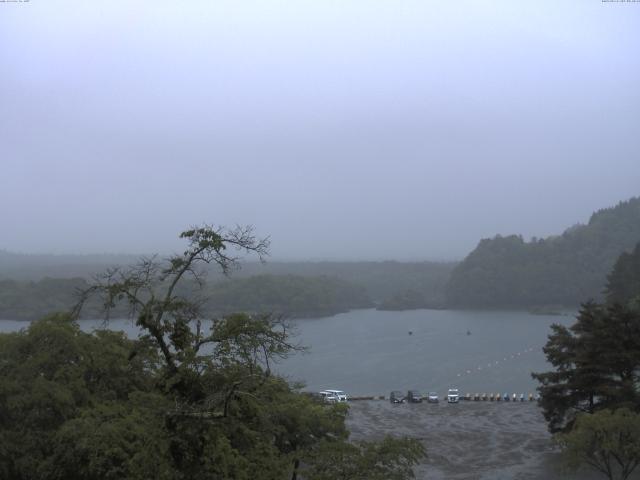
<point x="35" y="267"/>
<point x="32" y="285"/>
<point x="501" y="272"/>
<point x="563" y="270"/>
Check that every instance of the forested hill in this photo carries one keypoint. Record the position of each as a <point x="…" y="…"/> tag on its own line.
<point x="290" y="295"/>
<point x="389" y="284"/>
<point x="564" y="270"/>
<point x="287" y="295"/>
<point x="35" y="267"/>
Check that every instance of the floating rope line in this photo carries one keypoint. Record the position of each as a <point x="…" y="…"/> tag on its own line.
<point x="497" y="362"/>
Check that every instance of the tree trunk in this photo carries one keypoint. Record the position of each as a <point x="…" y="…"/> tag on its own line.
<point x="296" y="464"/>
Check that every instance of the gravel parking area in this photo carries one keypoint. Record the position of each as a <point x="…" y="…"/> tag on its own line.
<point x="469" y="440"/>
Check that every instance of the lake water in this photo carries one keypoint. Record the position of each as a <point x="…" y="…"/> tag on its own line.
<point x="370" y="352"/>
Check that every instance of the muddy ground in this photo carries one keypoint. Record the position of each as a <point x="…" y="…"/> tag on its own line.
<point x="470" y="440"/>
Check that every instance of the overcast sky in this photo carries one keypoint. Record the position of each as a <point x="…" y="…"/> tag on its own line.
<point x="342" y="129"/>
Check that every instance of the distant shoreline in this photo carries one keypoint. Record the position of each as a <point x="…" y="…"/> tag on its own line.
<point x="565" y="312"/>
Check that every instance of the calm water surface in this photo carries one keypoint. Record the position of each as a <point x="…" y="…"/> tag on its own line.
<point x="369" y="352"/>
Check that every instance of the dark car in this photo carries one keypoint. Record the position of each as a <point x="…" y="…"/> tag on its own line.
<point x="414" y="396"/>
<point x="396" y="397"/>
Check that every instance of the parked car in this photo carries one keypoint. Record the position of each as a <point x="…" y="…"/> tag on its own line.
<point x="328" y="397"/>
<point x="414" y="396"/>
<point x="453" y="396"/>
<point x="433" y="397"/>
<point x="396" y="397"/>
<point x="339" y="394"/>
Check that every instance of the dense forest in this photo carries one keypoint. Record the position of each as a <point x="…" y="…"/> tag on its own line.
<point x="32" y="300"/>
<point x="562" y="270"/>
<point x="623" y="283"/>
<point x="35" y="267"/>
<point x="381" y="280"/>
<point x="31" y="286"/>
<point x="289" y="295"/>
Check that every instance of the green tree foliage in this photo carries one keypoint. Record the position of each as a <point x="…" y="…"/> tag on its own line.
<point x="76" y="405"/>
<point x="380" y="280"/>
<point x="623" y="283"/>
<point x="290" y="295"/>
<point x="597" y="364"/>
<point x="608" y="441"/>
<point x="32" y="300"/>
<point x="556" y="271"/>
<point x="58" y="381"/>
<point x="180" y="402"/>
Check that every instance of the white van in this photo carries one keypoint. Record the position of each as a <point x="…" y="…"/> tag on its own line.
<point x="453" y="396"/>
<point x="339" y="394"/>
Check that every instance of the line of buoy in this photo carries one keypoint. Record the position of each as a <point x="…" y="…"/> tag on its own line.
<point x="496" y="362"/>
<point x="499" y="397"/>
<point x="475" y="397"/>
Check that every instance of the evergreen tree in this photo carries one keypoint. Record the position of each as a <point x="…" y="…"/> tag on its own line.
<point x="623" y="283"/>
<point x="597" y="364"/>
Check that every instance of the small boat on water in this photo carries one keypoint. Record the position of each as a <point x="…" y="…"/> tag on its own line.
<point x="468" y="332"/>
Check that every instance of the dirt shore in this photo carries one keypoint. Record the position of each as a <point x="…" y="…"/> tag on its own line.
<point x="470" y="440"/>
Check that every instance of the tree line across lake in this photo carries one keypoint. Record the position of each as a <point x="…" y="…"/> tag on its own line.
<point x="290" y="295"/>
<point x="304" y="289"/>
<point x="502" y="272"/>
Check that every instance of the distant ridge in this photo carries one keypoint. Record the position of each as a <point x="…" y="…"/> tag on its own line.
<point x="22" y="266"/>
<point x="564" y="270"/>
